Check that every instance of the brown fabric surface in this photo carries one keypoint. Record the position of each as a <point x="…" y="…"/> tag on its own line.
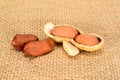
<point x="91" y="16"/>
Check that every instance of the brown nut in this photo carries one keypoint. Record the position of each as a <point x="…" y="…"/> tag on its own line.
<point x="37" y="48"/>
<point x="64" y="31"/>
<point x="20" y="40"/>
<point x="91" y="42"/>
<point x="60" y="33"/>
<point x="87" y="39"/>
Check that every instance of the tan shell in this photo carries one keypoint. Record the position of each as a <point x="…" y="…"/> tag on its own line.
<point x="70" y="49"/>
<point x="90" y="48"/>
<point x="49" y="26"/>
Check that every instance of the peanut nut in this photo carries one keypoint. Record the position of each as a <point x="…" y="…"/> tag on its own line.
<point x="37" y="48"/>
<point x="64" y="31"/>
<point x="87" y="39"/>
<point x="93" y="44"/>
<point x="20" y="40"/>
<point x="49" y="29"/>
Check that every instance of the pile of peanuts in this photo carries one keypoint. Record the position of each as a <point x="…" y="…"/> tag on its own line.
<point x="71" y="38"/>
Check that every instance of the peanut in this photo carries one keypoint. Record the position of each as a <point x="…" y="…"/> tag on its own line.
<point x="70" y="49"/>
<point x="37" y="48"/>
<point x="64" y="31"/>
<point x="20" y="40"/>
<point x="87" y="39"/>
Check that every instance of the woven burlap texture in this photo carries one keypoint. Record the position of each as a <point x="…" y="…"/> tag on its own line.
<point x="91" y="16"/>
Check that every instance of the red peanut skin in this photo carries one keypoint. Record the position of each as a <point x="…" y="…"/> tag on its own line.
<point x="37" y="48"/>
<point x="87" y="39"/>
<point x="64" y="31"/>
<point x="20" y="40"/>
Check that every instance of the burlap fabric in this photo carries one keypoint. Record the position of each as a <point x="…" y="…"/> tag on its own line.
<point x="91" y="16"/>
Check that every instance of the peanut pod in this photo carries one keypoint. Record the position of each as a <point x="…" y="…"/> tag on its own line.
<point x="49" y="27"/>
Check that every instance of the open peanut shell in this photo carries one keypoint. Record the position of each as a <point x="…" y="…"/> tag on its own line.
<point x="49" y="26"/>
<point x="90" y="48"/>
<point x="70" y="49"/>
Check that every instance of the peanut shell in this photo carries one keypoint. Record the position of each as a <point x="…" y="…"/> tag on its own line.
<point x="49" y="26"/>
<point x="90" y="48"/>
<point x="70" y="49"/>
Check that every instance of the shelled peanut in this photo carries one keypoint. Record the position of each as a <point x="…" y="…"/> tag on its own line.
<point x="31" y="45"/>
<point x="64" y="31"/>
<point x="20" y="40"/>
<point x="37" y="48"/>
<point x="87" y="39"/>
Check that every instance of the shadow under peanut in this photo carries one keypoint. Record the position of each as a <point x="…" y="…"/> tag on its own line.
<point x="95" y="53"/>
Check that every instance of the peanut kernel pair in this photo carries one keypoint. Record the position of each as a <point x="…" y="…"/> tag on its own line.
<point x="31" y="45"/>
<point x="73" y="39"/>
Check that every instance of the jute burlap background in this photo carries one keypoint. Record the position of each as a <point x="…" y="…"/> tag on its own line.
<point x="91" y="16"/>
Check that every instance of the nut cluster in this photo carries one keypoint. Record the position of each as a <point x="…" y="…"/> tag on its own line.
<point x="72" y="40"/>
<point x="31" y="45"/>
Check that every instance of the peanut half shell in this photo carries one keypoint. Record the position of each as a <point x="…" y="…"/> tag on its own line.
<point x="70" y="49"/>
<point x="90" y="48"/>
<point x="49" y="26"/>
